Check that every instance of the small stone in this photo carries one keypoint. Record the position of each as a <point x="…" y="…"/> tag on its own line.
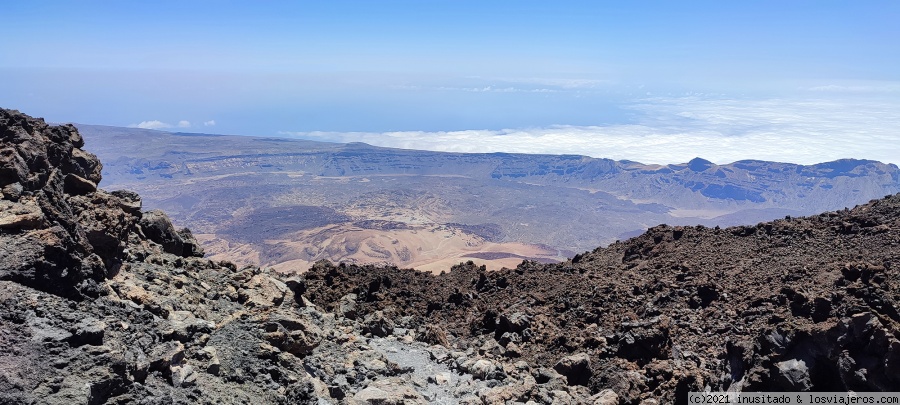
<point x="483" y="369"/>
<point x="440" y="378"/>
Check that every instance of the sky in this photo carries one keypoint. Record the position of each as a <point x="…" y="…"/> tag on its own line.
<point x="652" y="81"/>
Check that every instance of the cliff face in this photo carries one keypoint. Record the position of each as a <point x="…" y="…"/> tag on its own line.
<point x="103" y="303"/>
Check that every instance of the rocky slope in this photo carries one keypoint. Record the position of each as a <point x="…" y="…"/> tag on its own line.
<point x="103" y="303"/>
<point x="794" y="304"/>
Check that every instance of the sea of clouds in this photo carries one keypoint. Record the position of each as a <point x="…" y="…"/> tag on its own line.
<point x="677" y="129"/>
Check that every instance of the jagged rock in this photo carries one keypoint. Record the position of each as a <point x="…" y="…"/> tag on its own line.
<point x="21" y="216"/>
<point x="157" y="226"/>
<point x="42" y="330"/>
<point x="483" y="369"/>
<point x="793" y="375"/>
<point x="440" y="378"/>
<point x="89" y="331"/>
<point x="211" y="355"/>
<point x="434" y="335"/>
<point x="11" y="192"/>
<point x="515" y="322"/>
<point x="293" y="334"/>
<point x="183" y="325"/>
<point x="504" y="394"/>
<point x="378" y="324"/>
<point x="490" y="346"/>
<point x="183" y="376"/>
<point x="263" y="291"/>
<point x="347" y="306"/>
<point x="165" y="355"/>
<point x="606" y="397"/>
<point x="129" y="201"/>
<point x="77" y="185"/>
<point x="576" y="368"/>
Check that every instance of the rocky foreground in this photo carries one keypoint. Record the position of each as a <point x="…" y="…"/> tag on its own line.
<point x="103" y="303"/>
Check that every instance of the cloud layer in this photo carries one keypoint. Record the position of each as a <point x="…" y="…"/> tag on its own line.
<point x="157" y="124"/>
<point x="674" y="130"/>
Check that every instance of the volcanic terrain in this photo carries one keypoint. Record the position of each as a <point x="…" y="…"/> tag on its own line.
<point x="288" y="203"/>
<point x="102" y="302"/>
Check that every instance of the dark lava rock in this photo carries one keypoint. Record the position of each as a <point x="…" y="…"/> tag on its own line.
<point x="157" y="226"/>
<point x="576" y="368"/>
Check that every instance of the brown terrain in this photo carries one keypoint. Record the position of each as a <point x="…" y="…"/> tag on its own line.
<point x="104" y="303"/>
<point x="287" y="203"/>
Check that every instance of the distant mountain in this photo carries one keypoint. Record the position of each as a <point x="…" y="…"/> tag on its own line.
<point x="289" y="202"/>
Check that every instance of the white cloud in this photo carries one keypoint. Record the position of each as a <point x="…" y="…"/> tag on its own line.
<point x="155" y="124"/>
<point x="863" y="87"/>
<point x="210" y="123"/>
<point x="493" y="89"/>
<point x="184" y="124"/>
<point x="674" y="130"/>
<point x="561" y="83"/>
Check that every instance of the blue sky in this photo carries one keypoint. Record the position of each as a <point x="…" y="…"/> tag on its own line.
<point x="509" y="71"/>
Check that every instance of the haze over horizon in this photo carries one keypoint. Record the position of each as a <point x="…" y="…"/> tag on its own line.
<point x="801" y="82"/>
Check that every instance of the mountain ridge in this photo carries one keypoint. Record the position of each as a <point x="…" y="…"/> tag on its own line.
<point x="547" y="207"/>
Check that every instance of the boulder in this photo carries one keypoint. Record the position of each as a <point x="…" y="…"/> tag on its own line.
<point x="576" y="368"/>
<point x="88" y="331"/>
<point x="605" y="397"/>
<point x="77" y="185"/>
<point x="390" y="391"/>
<point x="793" y="375"/>
<point x="157" y="226"/>
<point x="378" y="325"/>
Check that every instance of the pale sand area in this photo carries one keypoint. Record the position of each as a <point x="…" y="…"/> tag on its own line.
<point x="434" y="248"/>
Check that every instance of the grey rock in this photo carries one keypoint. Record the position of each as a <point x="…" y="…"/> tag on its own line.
<point x="183" y="375"/>
<point x="347" y="306"/>
<point x="43" y="331"/>
<point x="391" y="391"/>
<point x="793" y="375"/>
